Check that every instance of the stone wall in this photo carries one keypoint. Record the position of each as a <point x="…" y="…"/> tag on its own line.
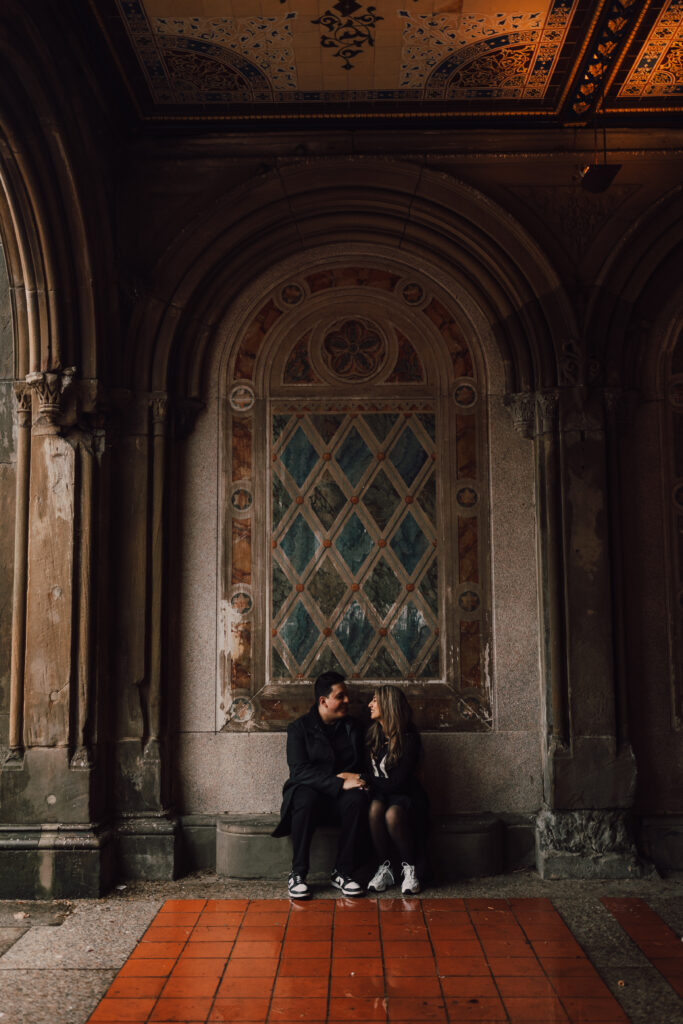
<point x="8" y="427"/>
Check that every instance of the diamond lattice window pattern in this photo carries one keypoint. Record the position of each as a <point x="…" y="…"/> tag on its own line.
<point x="354" y="571"/>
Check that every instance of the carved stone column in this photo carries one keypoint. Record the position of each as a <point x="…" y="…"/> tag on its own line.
<point x="50" y="842"/>
<point x="147" y="832"/>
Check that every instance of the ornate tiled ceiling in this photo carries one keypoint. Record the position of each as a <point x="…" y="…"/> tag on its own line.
<point x="555" y="60"/>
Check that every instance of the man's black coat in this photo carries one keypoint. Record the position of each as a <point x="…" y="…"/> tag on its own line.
<point x="310" y="757"/>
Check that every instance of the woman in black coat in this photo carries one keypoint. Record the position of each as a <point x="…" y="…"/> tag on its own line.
<point x="399" y="808"/>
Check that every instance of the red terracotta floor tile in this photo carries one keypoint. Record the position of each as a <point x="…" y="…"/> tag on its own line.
<point x="515" y="966"/>
<point x="301" y="988"/>
<point x="670" y="967"/>
<point x="221" y="934"/>
<point x="357" y="987"/>
<point x="358" y="932"/>
<point x="398" y="948"/>
<point x="557" y="947"/>
<point x="186" y="987"/>
<point x="525" y="987"/>
<point x="285" y="1009"/>
<point x="292" y="948"/>
<point x="207" y="950"/>
<point x="462" y="966"/>
<point x="245" y="988"/>
<point x="301" y="967"/>
<point x="408" y="966"/>
<point x="261" y="932"/>
<point x="147" y="968"/>
<point x="580" y="987"/>
<point x="226" y="905"/>
<point x="347" y="947"/>
<point x="462" y="987"/>
<point x="216" y="920"/>
<point x="443" y="906"/>
<point x="310" y="932"/>
<point x="415" y="1008"/>
<point x="245" y="948"/>
<point x="456" y="947"/>
<point x="358" y="1008"/>
<point x="200" y="967"/>
<point x="135" y="988"/>
<point x="343" y="967"/>
<point x="195" y="1008"/>
<point x="133" y="1010"/>
<point x="498" y="948"/>
<point x="568" y="967"/>
<point x="399" y="905"/>
<point x="265" y="967"/>
<point x="542" y="1008"/>
<point x="420" y="986"/>
<point x="239" y="1009"/>
<point x="472" y="1008"/>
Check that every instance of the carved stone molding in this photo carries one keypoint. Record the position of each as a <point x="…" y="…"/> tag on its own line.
<point x="50" y="386"/>
<point x="24" y="397"/>
<point x="522" y="407"/>
<point x="159" y="406"/>
<point x="548" y="404"/>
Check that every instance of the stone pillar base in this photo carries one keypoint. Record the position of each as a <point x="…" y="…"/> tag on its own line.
<point x="586" y="844"/>
<point x="55" y="861"/>
<point x="148" y="847"/>
<point x="661" y="840"/>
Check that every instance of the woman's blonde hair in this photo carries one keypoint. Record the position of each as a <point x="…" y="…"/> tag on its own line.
<point x="396" y="715"/>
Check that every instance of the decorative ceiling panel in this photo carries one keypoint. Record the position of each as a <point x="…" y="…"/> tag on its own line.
<point x="284" y="59"/>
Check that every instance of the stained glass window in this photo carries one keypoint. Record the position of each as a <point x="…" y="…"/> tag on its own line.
<point x="354" y="570"/>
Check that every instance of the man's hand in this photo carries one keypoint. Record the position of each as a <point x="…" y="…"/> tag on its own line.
<point x="352" y="780"/>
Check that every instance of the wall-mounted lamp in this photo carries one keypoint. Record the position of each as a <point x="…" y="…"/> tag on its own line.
<point x="597" y="177"/>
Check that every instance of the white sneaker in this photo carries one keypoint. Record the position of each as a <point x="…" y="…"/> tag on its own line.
<point x="410" y="885"/>
<point x="383" y="878"/>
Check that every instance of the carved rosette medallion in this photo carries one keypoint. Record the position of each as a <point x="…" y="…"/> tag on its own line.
<point x="241" y="499"/>
<point x="242" y="602"/>
<point x="292" y="294"/>
<point x="354" y="350"/>
<point x="467" y="497"/>
<point x="413" y="293"/>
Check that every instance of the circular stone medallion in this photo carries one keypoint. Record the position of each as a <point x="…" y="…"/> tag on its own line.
<point x="412" y="293"/>
<point x="465" y="395"/>
<point x="467" y="497"/>
<point x="241" y="602"/>
<point x="292" y="294"/>
<point x="469" y="601"/>
<point x="241" y="499"/>
<point x="241" y="398"/>
<point x="241" y="710"/>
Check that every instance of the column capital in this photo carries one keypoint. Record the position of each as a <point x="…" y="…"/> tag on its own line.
<point x="50" y="386"/>
<point x="548" y="403"/>
<point x="522" y="407"/>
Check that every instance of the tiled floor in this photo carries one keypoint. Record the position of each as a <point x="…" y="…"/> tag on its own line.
<point x="398" y="960"/>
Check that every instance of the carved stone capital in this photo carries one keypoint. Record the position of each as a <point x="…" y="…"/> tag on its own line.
<point x="522" y="407"/>
<point x="159" y="405"/>
<point x="548" y="404"/>
<point x="24" y="397"/>
<point x="50" y="386"/>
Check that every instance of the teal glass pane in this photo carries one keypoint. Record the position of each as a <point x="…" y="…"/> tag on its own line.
<point x="299" y="457"/>
<point x="382" y="588"/>
<point x="327" y="662"/>
<point x="410" y="631"/>
<point x="428" y="421"/>
<point x="327" y="587"/>
<point x="279" y="424"/>
<point x="429" y="587"/>
<point x="409" y="543"/>
<point x="327" y="425"/>
<point x="354" y="632"/>
<point x="381" y="499"/>
<point x="281" y="501"/>
<point x="432" y="667"/>
<point x="299" y="632"/>
<point x="327" y="500"/>
<point x="353" y="456"/>
<point x="427" y="498"/>
<point x="408" y="456"/>
<point x="300" y="544"/>
<point x="381" y="423"/>
<point x="282" y="588"/>
<point x="383" y="666"/>
<point x="354" y="544"/>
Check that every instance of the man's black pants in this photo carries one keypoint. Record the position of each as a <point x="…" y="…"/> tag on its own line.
<point x="309" y="808"/>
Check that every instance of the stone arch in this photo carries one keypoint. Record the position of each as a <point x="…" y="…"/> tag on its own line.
<point x="421" y="213"/>
<point x="436" y="361"/>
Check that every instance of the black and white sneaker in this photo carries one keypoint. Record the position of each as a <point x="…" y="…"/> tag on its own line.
<point x="297" y="888"/>
<point x="346" y="884"/>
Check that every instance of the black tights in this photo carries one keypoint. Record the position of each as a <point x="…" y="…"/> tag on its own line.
<point x="391" y="827"/>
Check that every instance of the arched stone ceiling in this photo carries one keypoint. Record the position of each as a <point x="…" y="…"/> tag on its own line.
<point x="550" y="61"/>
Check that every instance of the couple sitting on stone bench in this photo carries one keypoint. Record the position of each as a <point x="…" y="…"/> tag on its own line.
<point x="339" y="776"/>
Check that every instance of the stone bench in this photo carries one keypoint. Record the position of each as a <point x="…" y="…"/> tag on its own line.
<point x="463" y="846"/>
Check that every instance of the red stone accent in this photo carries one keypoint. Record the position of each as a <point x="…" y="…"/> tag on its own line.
<point x="381" y="542"/>
<point x="409" y="499"/>
<point x="299" y="500"/>
<point x="326" y="457"/>
<point x="299" y="588"/>
<point x="410" y="587"/>
<point x="354" y="586"/>
<point x="380" y="456"/>
<point x="327" y="543"/>
<point x="354" y="499"/>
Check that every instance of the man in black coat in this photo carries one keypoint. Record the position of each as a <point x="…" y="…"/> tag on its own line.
<point x="325" y="758"/>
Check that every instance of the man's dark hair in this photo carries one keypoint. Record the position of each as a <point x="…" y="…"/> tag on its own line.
<point x="324" y="684"/>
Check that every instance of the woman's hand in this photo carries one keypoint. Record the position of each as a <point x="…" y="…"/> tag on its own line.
<point x="352" y="780"/>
